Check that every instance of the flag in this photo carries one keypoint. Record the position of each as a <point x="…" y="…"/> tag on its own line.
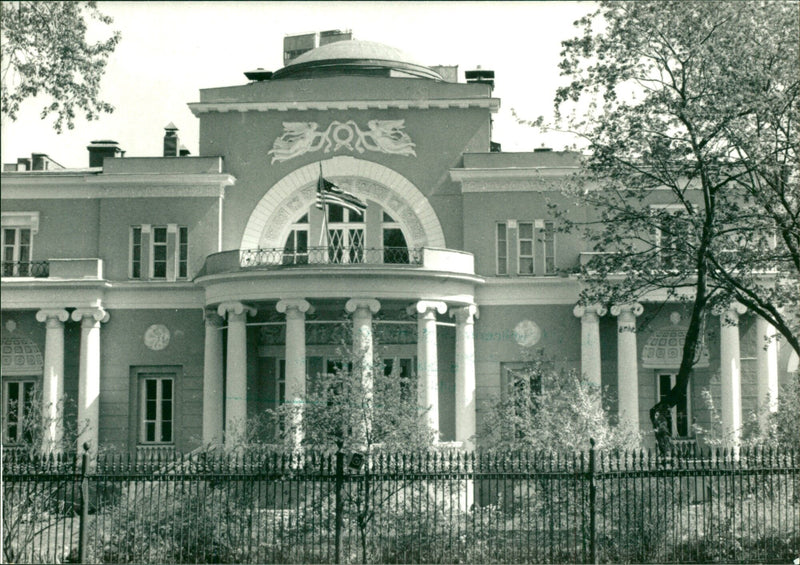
<point x="329" y="193"/>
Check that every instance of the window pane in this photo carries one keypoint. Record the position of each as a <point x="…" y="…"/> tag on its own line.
<point x="166" y="411"/>
<point x="160" y="235"/>
<point x="303" y="219"/>
<point x="526" y="266"/>
<point x="166" y="389"/>
<point x="24" y="237"/>
<point x="302" y="241"/>
<point x="526" y="248"/>
<point x="159" y="270"/>
<point x="150" y="410"/>
<point x="502" y="267"/>
<point x="166" y="432"/>
<point x="160" y="252"/>
<point x="525" y="230"/>
<point x="387" y="217"/>
<point x="10" y="236"/>
<point x="335" y="213"/>
<point x="355" y="216"/>
<point x="150" y="431"/>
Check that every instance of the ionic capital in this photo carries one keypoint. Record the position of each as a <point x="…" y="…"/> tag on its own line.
<point x="729" y="312"/>
<point x="97" y="314"/>
<point x="589" y="310"/>
<point x="236" y="308"/>
<point x="465" y="314"/>
<point x="300" y="305"/>
<point x="50" y="315"/>
<point x="212" y="319"/>
<point x="362" y="303"/>
<point x="631" y="308"/>
<point x="427" y="307"/>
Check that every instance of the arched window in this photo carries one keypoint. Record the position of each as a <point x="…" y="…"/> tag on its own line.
<point x="295" y="250"/>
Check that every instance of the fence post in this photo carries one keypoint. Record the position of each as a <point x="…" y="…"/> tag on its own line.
<point x="592" y="504"/>
<point x="339" y="510"/>
<point x="83" y="525"/>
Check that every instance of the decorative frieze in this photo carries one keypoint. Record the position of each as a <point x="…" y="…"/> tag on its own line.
<point x="383" y="136"/>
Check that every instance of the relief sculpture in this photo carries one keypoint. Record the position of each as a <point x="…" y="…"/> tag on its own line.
<point x="383" y="136"/>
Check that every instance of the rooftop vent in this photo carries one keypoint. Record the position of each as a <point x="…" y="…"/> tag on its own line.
<point x="102" y="148"/>
<point x="480" y="76"/>
<point x="258" y="75"/>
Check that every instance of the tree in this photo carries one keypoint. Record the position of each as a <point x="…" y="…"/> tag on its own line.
<point x="690" y="113"/>
<point x="45" y="52"/>
<point x="362" y="409"/>
<point x="548" y="409"/>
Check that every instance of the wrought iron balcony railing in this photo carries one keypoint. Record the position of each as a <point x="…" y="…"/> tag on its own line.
<point x="329" y="255"/>
<point x="38" y="269"/>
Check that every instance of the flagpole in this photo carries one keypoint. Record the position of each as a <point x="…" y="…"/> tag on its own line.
<point x="324" y="232"/>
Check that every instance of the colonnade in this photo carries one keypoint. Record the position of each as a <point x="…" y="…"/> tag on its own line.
<point x="362" y="310"/>
<point x="730" y="361"/>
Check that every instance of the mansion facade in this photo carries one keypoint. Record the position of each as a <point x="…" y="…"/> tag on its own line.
<point x="197" y="291"/>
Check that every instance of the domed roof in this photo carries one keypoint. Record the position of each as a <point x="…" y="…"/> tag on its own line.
<point x="355" y="57"/>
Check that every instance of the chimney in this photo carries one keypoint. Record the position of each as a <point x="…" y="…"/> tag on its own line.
<point x="102" y="148"/>
<point x="171" y="144"/>
<point x="184" y="151"/>
<point x="480" y="76"/>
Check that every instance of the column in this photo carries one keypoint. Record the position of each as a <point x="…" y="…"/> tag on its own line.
<point x="362" y="310"/>
<point x="465" y="375"/>
<point x="212" y="380"/>
<point x="53" y="378"/>
<point x="89" y="376"/>
<point x="428" y="360"/>
<point x="730" y="372"/>
<point x="295" y="311"/>
<point x="627" y="362"/>
<point x="236" y="371"/>
<point x="590" y="341"/>
<point x="767" y="361"/>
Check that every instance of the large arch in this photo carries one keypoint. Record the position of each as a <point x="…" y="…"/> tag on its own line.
<point x="297" y="191"/>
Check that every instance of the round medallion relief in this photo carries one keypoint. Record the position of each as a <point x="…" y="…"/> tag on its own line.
<point x="156" y="337"/>
<point x="527" y="333"/>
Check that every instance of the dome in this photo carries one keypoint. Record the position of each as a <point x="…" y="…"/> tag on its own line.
<point x="664" y="350"/>
<point x="20" y="357"/>
<point x="355" y="58"/>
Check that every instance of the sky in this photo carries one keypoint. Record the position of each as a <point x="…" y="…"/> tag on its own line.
<point x="170" y="50"/>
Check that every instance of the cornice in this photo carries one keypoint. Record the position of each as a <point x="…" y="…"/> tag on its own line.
<point x="148" y="185"/>
<point x="198" y="108"/>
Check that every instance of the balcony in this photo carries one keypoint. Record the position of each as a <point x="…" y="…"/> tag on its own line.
<point x="35" y="269"/>
<point x="343" y="257"/>
<point x="67" y="269"/>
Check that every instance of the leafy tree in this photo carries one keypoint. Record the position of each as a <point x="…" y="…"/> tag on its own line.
<point x="554" y="410"/>
<point x="361" y="409"/>
<point x="45" y="52"/>
<point x="690" y="113"/>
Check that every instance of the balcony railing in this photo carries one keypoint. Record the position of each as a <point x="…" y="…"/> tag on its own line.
<point x="329" y="255"/>
<point x="38" y="269"/>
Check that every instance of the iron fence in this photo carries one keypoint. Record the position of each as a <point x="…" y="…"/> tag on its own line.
<point x="698" y="506"/>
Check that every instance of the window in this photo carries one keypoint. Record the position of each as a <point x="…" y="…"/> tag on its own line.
<point x="526" y="248"/>
<point x="18" y="229"/>
<point x="345" y="235"/>
<point x="395" y="248"/>
<point x="183" y="253"/>
<point x="549" y="248"/>
<point x="502" y="249"/>
<point x="680" y="415"/>
<point x="136" y="253"/>
<point x="159" y="252"/>
<point x="673" y="237"/>
<point x="522" y="387"/>
<point x="18" y="410"/>
<point x="295" y="250"/>
<point x="157" y="407"/>
<point x="402" y="367"/>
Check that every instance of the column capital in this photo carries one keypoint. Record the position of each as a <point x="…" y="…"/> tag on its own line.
<point x="213" y="319"/>
<point x="633" y="308"/>
<point x="356" y="303"/>
<point x="581" y="310"/>
<point x="235" y="308"/>
<point x="299" y="304"/>
<point x="730" y="311"/>
<point x="97" y="313"/>
<point x="425" y="306"/>
<point x="465" y="314"/>
<point x="48" y="314"/>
